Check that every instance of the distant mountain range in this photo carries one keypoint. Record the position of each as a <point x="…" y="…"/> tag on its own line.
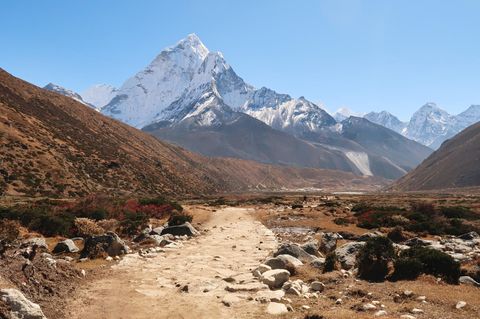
<point x="52" y="145"/>
<point x="192" y="97"/>
<point x="455" y="164"/>
<point x="430" y="125"/>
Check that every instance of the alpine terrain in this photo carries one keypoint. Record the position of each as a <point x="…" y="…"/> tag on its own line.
<point x="192" y="97"/>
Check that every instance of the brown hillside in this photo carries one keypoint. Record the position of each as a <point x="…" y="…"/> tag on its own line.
<point x="455" y="164"/>
<point x="53" y="145"/>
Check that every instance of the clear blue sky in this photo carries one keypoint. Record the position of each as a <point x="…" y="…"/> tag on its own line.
<point x="366" y="55"/>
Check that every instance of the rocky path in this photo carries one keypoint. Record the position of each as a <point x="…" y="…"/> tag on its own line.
<point x="156" y="286"/>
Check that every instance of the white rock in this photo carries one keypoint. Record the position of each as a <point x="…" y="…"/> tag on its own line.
<point x="338" y="301"/>
<point x="369" y="306"/>
<point x="21" y="307"/>
<point x="305" y="307"/>
<point x="275" y="278"/>
<point x="421" y="298"/>
<point x="109" y="258"/>
<point x="407" y="317"/>
<point x="83" y="272"/>
<point x="275" y="308"/>
<point x="380" y="313"/>
<point x="460" y="304"/>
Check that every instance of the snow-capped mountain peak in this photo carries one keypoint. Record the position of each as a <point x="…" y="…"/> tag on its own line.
<point x="99" y="95"/>
<point x="344" y="113"/>
<point x="386" y="119"/>
<point x="63" y="91"/>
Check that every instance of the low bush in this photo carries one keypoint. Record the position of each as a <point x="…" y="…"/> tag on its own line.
<point x="297" y="206"/>
<point x="459" y="212"/>
<point x="9" y="231"/>
<point x="107" y="225"/>
<point x="374" y="257"/>
<point x="407" y="269"/>
<point x="85" y="227"/>
<point x="435" y="262"/>
<point x="396" y="235"/>
<point x="133" y="223"/>
<point x="341" y="221"/>
<point x="179" y="219"/>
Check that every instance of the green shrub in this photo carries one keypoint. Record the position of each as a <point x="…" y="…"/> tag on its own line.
<point x="396" y="235"/>
<point x="179" y="219"/>
<point x="52" y="224"/>
<point x="330" y="262"/>
<point x="407" y="269"/>
<point x="458" y="212"/>
<point x="374" y="257"/>
<point x="341" y="221"/>
<point x="133" y="223"/>
<point x="435" y="262"/>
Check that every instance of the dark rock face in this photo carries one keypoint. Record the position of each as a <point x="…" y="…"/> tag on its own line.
<point x="181" y="230"/>
<point x="66" y="246"/>
<point x="109" y="244"/>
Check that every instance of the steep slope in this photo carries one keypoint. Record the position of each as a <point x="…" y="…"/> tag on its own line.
<point x="454" y="164"/>
<point x="55" y="146"/>
<point x="387" y="120"/>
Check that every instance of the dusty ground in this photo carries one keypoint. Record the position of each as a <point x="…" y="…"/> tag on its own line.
<point x="138" y="287"/>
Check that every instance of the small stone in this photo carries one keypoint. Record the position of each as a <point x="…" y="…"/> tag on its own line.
<point x="338" y="301"/>
<point x="421" y="298"/>
<point x="275" y="308"/>
<point x="305" y="307"/>
<point x="380" y="313"/>
<point x="460" y="304"/>
<point x="109" y="258"/>
<point x="407" y="317"/>
<point x="368" y="307"/>
<point x="416" y="311"/>
<point x="229" y="300"/>
<point x="317" y="286"/>
<point x="83" y="272"/>
<point x="408" y="293"/>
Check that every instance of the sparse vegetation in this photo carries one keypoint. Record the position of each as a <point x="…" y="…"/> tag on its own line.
<point x="85" y="227"/>
<point x="374" y="257"/>
<point x="434" y="262"/>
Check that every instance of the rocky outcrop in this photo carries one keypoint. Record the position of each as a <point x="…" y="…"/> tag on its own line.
<point x="109" y="244"/>
<point x="181" y="230"/>
<point x="20" y="306"/>
<point x="66" y="246"/>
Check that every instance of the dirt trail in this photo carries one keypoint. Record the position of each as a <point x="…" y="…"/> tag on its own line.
<point x="141" y="287"/>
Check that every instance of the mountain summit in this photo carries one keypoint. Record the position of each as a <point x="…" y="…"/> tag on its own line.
<point x="193" y="97"/>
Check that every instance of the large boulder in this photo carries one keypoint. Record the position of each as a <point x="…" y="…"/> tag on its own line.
<point x="328" y="242"/>
<point x="294" y="250"/>
<point x="181" y="230"/>
<point x="109" y="244"/>
<point x="276" y="308"/>
<point x="283" y="262"/>
<point x="311" y="248"/>
<point x="66" y="246"/>
<point x="275" y="278"/>
<point x="347" y="254"/>
<point x="20" y="307"/>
